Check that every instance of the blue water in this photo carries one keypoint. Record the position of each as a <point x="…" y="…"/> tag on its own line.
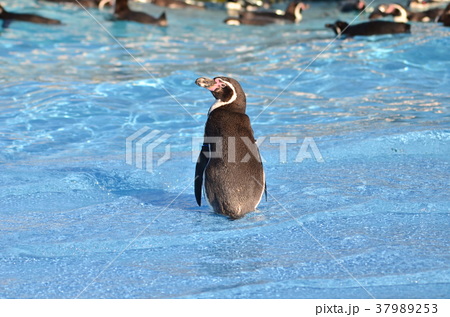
<point x="77" y="221"/>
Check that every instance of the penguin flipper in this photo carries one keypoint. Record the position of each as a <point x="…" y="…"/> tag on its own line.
<point x="265" y="191"/>
<point x="265" y="184"/>
<point x="202" y="162"/>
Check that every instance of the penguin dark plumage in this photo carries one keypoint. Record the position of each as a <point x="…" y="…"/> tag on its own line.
<point x="123" y="12"/>
<point x="369" y="28"/>
<point x="445" y="17"/>
<point x="26" y="17"/>
<point x="229" y="164"/>
<point x="260" y="21"/>
<point x="83" y="3"/>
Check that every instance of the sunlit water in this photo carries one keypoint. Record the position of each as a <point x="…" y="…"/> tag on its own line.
<point x="371" y="220"/>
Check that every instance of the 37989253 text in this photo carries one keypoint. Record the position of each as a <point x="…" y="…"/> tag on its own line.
<point x="406" y="308"/>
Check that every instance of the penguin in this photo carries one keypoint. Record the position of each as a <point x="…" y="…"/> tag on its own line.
<point x="7" y="17"/>
<point x="350" y="6"/>
<point x="445" y="17"/>
<point x="400" y="14"/>
<point x="177" y="4"/>
<point x="260" y="21"/>
<point x="422" y="5"/>
<point x="292" y="14"/>
<point x="229" y="165"/>
<point x="83" y="3"/>
<point x="233" y="7"/>
<point x="369" y="28"/>
<point x="123" y="12"/>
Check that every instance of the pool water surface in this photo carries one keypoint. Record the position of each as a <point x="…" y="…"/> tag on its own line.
<point x="360" y="211"/>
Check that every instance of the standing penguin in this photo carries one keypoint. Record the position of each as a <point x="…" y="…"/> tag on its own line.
<point x="229" y="164"/>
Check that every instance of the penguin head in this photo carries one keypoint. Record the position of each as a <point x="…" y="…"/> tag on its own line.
<point x="295" y="9"/>
<point x="393" y="9"/>
<point x="298" y="9"/>
<point x="338" y="27"/>
<point x="227" y="92"/>
<point x="396" y="10"/>
<point x="360" y="5"/>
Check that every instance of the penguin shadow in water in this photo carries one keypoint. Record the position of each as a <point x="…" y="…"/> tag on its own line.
<point x="122" y="12"/>
<point x="160" y="198"/>
<point x="9" y="17"/>
<point x="124" y="184"/>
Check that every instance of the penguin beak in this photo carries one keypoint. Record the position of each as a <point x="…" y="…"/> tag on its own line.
<point x="210" y="84"/>
<point x="205" y="82"/>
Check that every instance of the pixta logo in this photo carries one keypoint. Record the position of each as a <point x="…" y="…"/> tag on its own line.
<point x="147" y="148"/>
<point x="307" y="150"/>
<point x="140" y="148"/>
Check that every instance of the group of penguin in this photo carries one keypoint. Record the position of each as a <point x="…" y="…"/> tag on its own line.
<point x="121" y="12"/>
<point x="424" y="12"/>
<point x="233" y="177"/>
<point x="257" y="12"/>
<point x="420" y="11"/>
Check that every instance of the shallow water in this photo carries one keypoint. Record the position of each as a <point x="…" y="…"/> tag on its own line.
<point x="78" y="221"/>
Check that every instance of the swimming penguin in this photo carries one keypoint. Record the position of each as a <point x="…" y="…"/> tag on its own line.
<point x="234" y="7"/>
<point x="445" y="17"/>
<point x="249" y="21"/>
<point x="229" y="165"/>
<point x="352" y="5"/>
<point x="422" y="5"/>
<point x="7" y="17"/>
<point x="400" y="14"/>
<point x="177" y="4"/>
<point x="369" y="28"/>
<point x="123" y="12"/>
<point x="83" y="3"/>
<point x="293" y="13"/>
